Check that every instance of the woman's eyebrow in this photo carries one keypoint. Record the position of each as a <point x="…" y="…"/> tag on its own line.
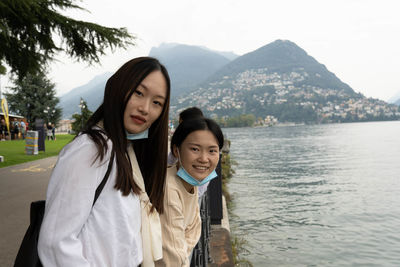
<point x="147" y="89"/>
<point x="144" y="86"/>
<point x="195" y="144"/>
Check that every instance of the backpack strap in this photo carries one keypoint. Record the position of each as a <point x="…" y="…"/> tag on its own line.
<point x="104" y="181"/>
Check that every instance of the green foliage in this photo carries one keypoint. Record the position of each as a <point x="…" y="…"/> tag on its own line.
<point x="226" y="171"/>
<point x="244" y="120"/>
<point x="28" y="28"/>
<point x="227" y="162"/>
<point x="14" y="151"/>
<point x="238" y="249"/>
<point x="292" y="112"/>
<point x="3" y="69"/>
<point x="34" y="97"/>
<point x="81" y="119"/>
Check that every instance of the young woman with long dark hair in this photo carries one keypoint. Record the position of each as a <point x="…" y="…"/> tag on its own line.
<point x="130" y="129"/>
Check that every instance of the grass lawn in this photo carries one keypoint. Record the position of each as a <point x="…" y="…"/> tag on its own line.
<point x="13" y="151"/>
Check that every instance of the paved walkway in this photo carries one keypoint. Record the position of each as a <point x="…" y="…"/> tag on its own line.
<point x="19" y="186"/>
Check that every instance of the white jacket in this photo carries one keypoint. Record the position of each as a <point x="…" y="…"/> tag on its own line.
<point x="75" y="234"/>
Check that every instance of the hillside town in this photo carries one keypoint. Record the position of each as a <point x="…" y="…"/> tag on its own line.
<point x="260" y="88"/>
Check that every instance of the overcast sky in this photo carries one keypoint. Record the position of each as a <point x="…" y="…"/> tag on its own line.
<point x="358" y="40"/>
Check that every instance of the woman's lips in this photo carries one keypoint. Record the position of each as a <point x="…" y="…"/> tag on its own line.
<point x="138" y="119"/>
<point x="201" y="169"/>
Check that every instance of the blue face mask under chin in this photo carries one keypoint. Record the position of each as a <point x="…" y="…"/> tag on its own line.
<point x="183" y="174"/>
<point x="142" y="135"/>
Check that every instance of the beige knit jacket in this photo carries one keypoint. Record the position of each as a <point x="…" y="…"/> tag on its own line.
<point x="180" y="222"/>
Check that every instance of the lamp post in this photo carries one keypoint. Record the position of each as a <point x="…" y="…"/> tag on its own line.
<point x="47" y="113"/>
<point x="52" y="115"/>
<point x="82" y="106"/>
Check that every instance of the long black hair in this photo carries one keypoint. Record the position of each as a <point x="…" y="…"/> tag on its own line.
<point x="152" y="152"/>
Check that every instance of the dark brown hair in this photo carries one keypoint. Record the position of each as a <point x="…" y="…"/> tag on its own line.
<point x="190" y="113"/>
<point x="188" y="126"/>
<point x="151" y="153"/>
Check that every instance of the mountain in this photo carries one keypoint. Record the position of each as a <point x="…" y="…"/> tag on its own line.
<point x="92" y="93"/>
<point x="188" y="65"/>
<point x="395" y="99"/>
<point x="229" y="55"/>
<point x="284" y="56"/>
<point x="281" y="80"/>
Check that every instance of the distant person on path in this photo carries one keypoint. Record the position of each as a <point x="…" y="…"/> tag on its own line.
<point x="3" y="130"/>
<point x="53" y="131"/>
<point x="196" y="143"/>
<point x="49" y="131"/>
<point x="15" y="129"/>
<point x="23" y="129"/>
<point x="130" y="130"/>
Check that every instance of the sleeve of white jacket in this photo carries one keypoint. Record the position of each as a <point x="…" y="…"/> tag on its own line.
<point x="69" y="202"/>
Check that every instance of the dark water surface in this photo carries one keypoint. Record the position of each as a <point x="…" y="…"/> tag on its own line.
<point x="323" y="195"/>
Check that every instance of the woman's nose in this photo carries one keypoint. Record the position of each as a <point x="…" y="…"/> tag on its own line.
<point x="144" y="106"/>
<point x="203" y="157"/>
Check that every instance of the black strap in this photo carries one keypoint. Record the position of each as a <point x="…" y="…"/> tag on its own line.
<point x="104" y="181"/>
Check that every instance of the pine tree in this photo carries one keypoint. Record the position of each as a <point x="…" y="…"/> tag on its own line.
<point x="28" y="28"/>
<point x="34" y="97"/>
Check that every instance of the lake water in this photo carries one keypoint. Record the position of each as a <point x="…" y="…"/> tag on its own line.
<point x="321" y="195"/>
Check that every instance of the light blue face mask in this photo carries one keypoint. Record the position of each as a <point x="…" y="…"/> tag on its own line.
<point x="182" y="173"/>
<point x="142" y="135"/>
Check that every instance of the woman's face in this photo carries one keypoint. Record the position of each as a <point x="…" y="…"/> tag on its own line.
<point x="146" y="103"/>
<point x="199" y="153"/>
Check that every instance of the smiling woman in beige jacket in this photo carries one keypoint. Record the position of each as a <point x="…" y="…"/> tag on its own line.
<point x="196" y="143"/>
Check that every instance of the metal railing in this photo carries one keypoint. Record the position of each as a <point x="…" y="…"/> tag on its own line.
<point x="201" y="252"/>
<point x="210" y="213"/>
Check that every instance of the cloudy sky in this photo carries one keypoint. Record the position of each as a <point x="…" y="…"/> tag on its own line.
<point x="358" y="40"/>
